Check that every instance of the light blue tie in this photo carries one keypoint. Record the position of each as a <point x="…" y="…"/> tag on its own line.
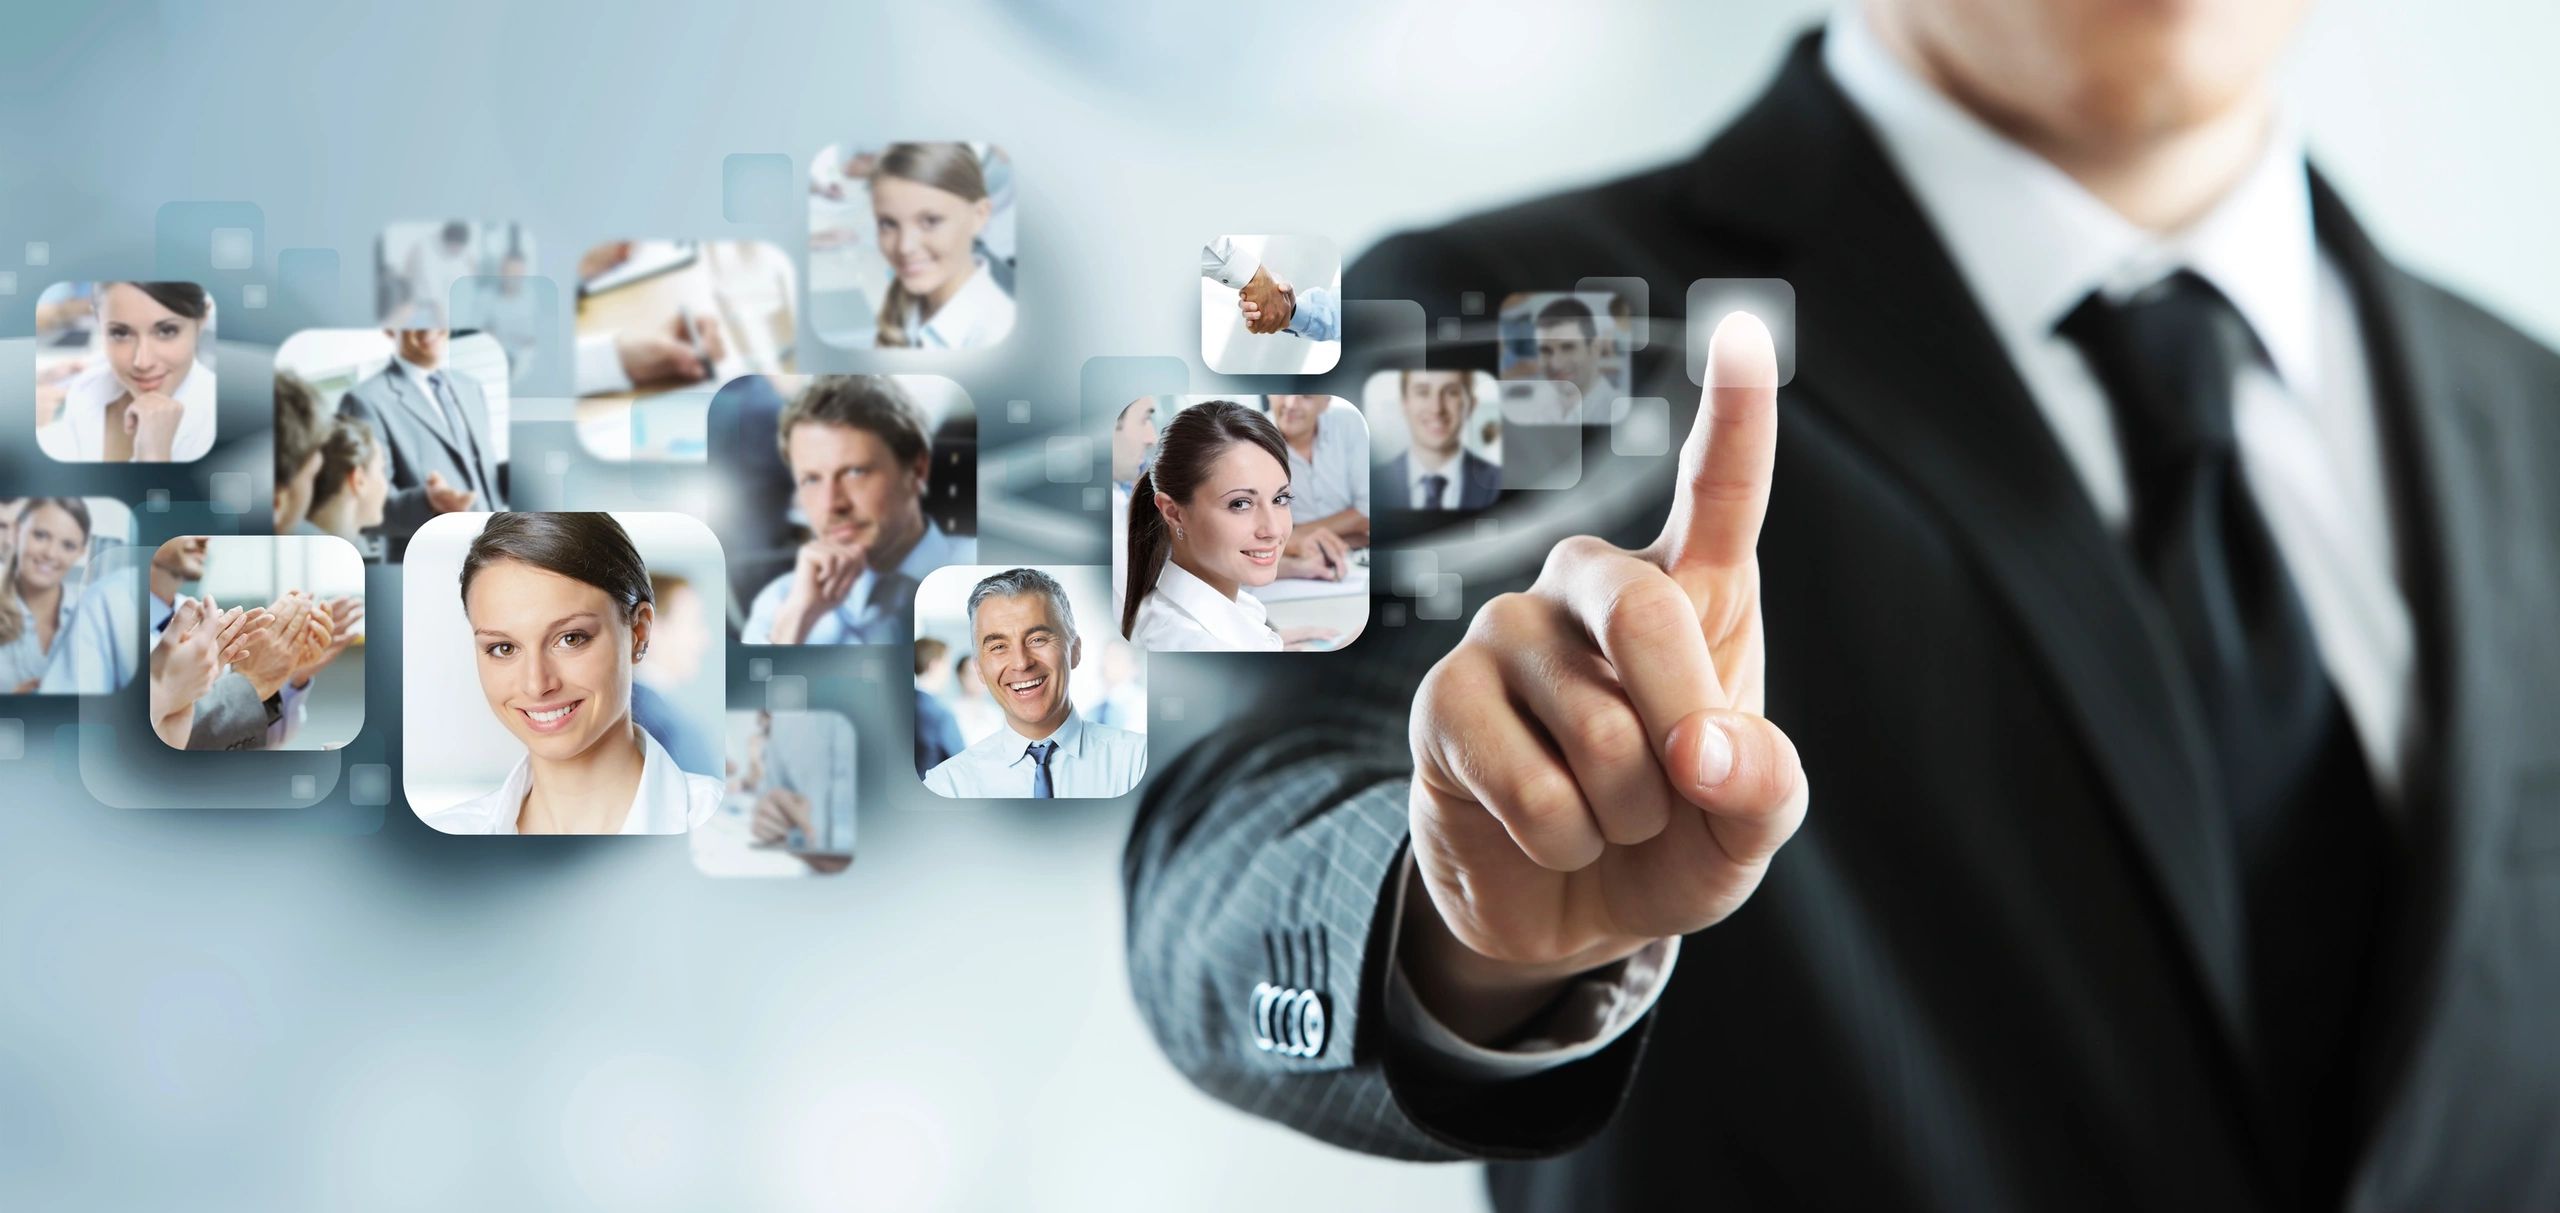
<point x="1040" y="786"/>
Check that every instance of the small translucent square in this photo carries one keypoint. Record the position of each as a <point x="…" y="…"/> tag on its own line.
<point x="1471" y="303"/>
<point x="369" y="784"/>
<point x="1488" y="528"/>
<point x="156" y="501"/>
<point x="1449" y="328"/>
<point x="1170" y="707"/>
<point x="759" y="669"/>
<point x="787" y="693"/>
<point x="868" y="669"/>
<point x="756" y="187"/>
<point x="1447" y="598"/>
<point x="233" y="248"/>
<point x="555" y="463"/>
<point x="39" y="253"/>
<point x="8" y="282"/>
<point x="1096" y="499"/>
<point x="1070" y="459"/>
<point x="1392" y="614"/>
<point x="230" y="492"/>
<point x="1415" y="571"/>
<point x="1770" y="299"/>
<point x="1646" y="429"/>
<point x="253" y="295"/>
<point x="306" y="787"/>
<point x="1017" y="411"/>
<point x="13" y="739"/>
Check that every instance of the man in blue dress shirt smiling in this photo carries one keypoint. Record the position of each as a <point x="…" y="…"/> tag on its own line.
<point x="1024" y="633"/>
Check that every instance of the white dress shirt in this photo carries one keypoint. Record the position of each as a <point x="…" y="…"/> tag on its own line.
<point x="1452" y="477"/>
<point x="79" y="433"/>
<point x="668" y="801"/>
<point x="1226" y="263"/>
<point x="2031" y="244"/>
<point x="1091" y="760"/>
<point x="979" y="314"/>
<point x="1186" y="614"/>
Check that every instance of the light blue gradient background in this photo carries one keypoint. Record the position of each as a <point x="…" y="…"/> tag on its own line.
<point x="237" y="1010"/>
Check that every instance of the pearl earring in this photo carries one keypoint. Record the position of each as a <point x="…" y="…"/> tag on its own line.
<point x="1177" y="532"/>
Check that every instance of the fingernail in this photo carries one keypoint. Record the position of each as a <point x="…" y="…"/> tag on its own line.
<point x="1715" y="755"/>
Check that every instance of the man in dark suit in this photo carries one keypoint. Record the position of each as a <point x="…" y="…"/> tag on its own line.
<point x="2158" y="584"/>
<point x="434" y="424"/>
<point x="1437" y="471"/>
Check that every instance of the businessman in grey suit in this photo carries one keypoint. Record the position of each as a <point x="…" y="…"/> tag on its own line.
<point x="434" y="424"/>
<point x="2084" y="742"/>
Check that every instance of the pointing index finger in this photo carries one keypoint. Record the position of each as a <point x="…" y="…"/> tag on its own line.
<point x="1726" y="464"/>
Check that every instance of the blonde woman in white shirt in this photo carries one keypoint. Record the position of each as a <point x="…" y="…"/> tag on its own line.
<point x="149" y="400"/>
<point x="1207" y="520"/>
<point x="560" y="609"/>
<point x="929" y="203"/>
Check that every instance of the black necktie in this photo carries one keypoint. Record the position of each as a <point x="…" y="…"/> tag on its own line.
<point x="1432" y="487"/>
<point x="2306" y="827"/>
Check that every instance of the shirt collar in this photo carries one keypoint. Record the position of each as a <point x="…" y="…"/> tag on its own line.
<point x="954" y="325"/>
<point x="1016" y="747"/>
<point x="933" y="550"/>
<point x="1241" y="620"/>
<point x="1414" y="471"/>
<point x="415" y="371"/>
<point x="2032" y="242"/>
<point x="662" y="786"/>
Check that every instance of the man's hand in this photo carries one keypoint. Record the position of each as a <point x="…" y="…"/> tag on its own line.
<point x="667" y="355"/>
<point x="53" y="386"/>
<point x="1314" y="552"/>
<point x="1268" y="301"/>
<point x="444" y="498"/>
<point x="183" y="667"/>
<point x="342" y="614"/>
<point x="1591" y="768"/>
<point x="152" y="422"/>
<point x="264" y="652"/>
<point x="781" y="811"/>
<point x="820" y="579"/>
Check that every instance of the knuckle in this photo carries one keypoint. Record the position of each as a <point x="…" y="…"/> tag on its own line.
<point x="1612" y="738"/>
<point x="1641" y="610"/>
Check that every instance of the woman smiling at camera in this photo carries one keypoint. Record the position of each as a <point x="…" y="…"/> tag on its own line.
<point x="51" y="539"/>
<point x="560" y="610"/>
<point x="150" y="401"/>
<point x="929" y="202"/>
<point x="1207" y="520"/>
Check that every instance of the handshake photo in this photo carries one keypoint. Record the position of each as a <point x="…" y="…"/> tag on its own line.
<point x="1268" y="301"/>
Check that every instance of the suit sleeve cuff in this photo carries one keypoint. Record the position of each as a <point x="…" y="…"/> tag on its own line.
<point x="1592" y="1014"/>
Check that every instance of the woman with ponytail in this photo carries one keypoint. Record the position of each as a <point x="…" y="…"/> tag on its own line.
<point x="929" y="202"/>
<point x="1207" y="520"/>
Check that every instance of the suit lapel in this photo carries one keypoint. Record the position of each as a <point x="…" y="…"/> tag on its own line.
<point x="430" y="413"/>
<point x="1896" y="351"/>
<point x="2425" y="396"/>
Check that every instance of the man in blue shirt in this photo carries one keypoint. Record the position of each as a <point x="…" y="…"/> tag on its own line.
<point x="859" y="460"/>
<point x="1024" y="633"/>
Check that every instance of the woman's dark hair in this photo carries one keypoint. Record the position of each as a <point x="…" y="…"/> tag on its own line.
<point x="79" y="511"/>
<point x="301" y="425"/>
<point x="1195" y="439"/>
<point x="348" y="445"/>
<point x="185" y="298"/>
<point x="587" y="547"/>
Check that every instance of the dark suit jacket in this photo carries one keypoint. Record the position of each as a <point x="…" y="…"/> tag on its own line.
<point x="420" y="441"/>
<point x="1479" y="482"/>
<point x="1999" y="967"/>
